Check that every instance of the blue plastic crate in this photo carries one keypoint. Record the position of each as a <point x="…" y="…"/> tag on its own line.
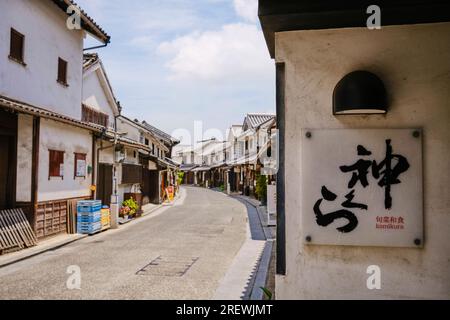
<point x="89" y="203"/>
<point x="89" y="208"/>
<point x="89" y="214"/>
<point x="89" y="219"/>
<point x="89" y="228"/>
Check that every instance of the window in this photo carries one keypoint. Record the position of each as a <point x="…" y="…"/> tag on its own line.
<point x="16" y="46"/>
<point x="147" y="142"/>
<point x="80" y="165"/>
<point x="62" y="71"/>
<point x="153" y="148"/>
<point x="91" y="115"/>
<point x="56" y="164"/>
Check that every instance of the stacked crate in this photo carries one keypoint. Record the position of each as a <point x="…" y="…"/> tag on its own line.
<point x="89" y="216"/>
<point x="106" y="218"/>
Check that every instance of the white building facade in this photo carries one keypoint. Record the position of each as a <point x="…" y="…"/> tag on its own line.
<point x="40" y="93"/>
<point x="411" y="58"/>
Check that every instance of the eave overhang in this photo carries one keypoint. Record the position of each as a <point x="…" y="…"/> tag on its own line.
<point x="291" y="15"/>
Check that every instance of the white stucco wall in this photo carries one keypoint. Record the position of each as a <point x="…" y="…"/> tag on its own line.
<point x="57" y="136"/>
<point x="132" y="131"/>
<point x="94" y="94"/>
<point x="24" y="157"/>
<point x="46" y="39"/>
<point x="414" y="63"/>
<point x="106" y="152"/>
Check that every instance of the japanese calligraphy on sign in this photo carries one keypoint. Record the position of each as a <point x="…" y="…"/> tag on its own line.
<point x="362" y="187"/>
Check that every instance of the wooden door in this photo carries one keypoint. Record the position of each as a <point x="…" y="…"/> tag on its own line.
<point x="8" y="159"/>
<point x="153" y="181"/>
<point x="105" y="183"/>
<point x="5" y="169"/>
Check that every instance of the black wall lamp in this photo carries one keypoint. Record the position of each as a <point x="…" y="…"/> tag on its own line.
<point x="360" y="92"/>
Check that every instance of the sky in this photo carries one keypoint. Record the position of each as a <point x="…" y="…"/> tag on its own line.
<point x="175" y="62"/>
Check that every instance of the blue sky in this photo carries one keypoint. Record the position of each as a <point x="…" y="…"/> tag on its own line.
<point x="173" y="62"/>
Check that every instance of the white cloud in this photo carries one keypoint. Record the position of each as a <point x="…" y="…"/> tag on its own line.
<point x="235" y="51"/>
<point x="247" y="9"/>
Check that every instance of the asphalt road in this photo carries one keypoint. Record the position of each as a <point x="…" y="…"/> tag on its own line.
<point x="181" y="252"/>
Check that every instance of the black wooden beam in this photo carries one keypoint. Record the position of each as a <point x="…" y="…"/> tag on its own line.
<point x="281" y="216"/>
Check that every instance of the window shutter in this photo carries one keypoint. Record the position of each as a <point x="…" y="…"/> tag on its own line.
<point x="56" y="159"/>
<point x="62" y="71"/>
<point x="16" y="45"/>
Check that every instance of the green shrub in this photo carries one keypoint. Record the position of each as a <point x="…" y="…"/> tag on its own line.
<point x="261" y="187"/>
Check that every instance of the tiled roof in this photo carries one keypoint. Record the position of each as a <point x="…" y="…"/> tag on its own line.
<point x="23" y="107"/>
<point x="254" y="120"/>
<point x="89" y="59"/>
<point x="169" y="163"/>
<point x="187" y="167"/>
<point x="161" y="134"/>
<point x="87" y="22"/>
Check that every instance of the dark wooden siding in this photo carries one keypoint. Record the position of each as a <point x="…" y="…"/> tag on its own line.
<point x="131" y="173"/>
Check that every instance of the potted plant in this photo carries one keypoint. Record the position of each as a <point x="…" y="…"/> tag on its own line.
<point x="129" y="208"/>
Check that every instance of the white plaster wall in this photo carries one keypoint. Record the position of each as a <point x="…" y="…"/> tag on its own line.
<point x="132" y="132"/>
<point x="46" y="39"/>
<point x="24" y="157"/>
<point x="414" y="63"/>
<point x="57" y="136"/>
<point x="106" y="155"/>
<point x="132" y="156"/>
<point x="94" y="95"/>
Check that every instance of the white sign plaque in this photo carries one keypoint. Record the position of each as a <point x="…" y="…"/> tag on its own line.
<point x="271" y="205"/>
<point x="362" y="187"/>
<point x="80" y="168"/>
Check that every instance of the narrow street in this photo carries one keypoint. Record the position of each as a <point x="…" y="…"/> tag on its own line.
<point x="179" y="252"/>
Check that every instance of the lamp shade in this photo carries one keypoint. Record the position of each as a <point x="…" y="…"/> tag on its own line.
<point x="359" y="92"/>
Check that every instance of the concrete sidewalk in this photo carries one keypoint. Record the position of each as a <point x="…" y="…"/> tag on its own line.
<point x="43" y="246"/>
<point x="250" y="267"/>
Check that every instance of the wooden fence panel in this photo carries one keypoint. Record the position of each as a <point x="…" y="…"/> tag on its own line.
<point x="15" y="231"/>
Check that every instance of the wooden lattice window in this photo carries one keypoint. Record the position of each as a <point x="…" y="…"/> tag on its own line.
<point x="56" y="164"/>
<point x="91" y="115"/>
<point x="16" y="51"/>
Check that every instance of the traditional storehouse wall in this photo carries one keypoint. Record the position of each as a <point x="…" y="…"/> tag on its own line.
<point x="71" y="140"/>
<point x="94" y="93"/>
<point x="414" y="64"/>
<point x="46" y="39"/>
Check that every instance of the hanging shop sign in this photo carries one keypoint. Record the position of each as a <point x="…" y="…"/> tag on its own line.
<point x="362" y="187"/>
